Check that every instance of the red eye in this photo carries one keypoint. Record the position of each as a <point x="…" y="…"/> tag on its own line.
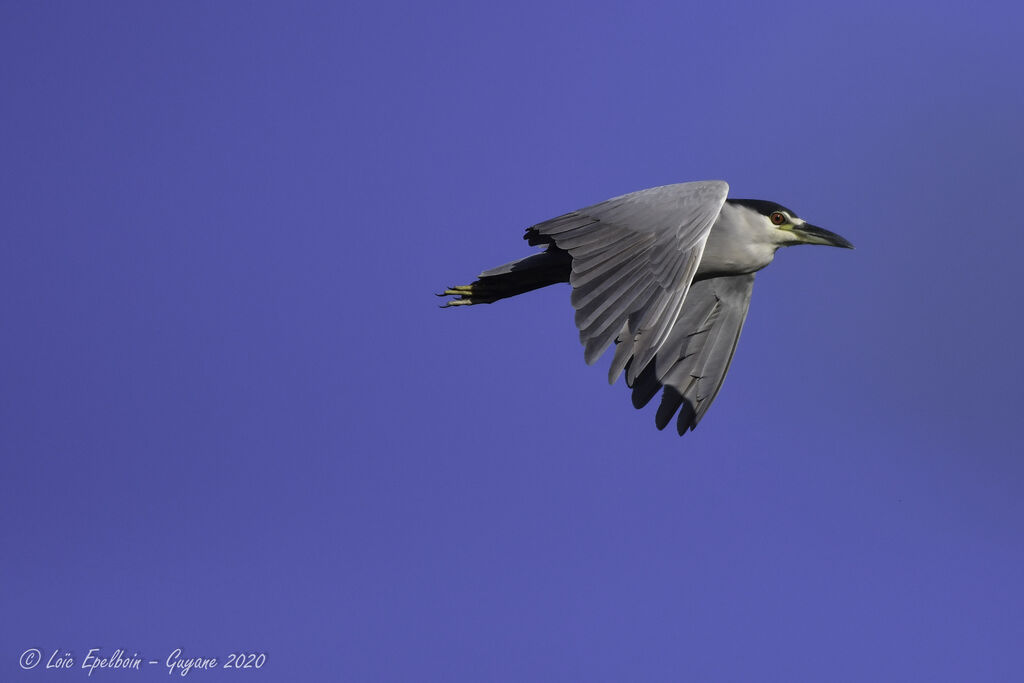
<point x="778" y="218"/>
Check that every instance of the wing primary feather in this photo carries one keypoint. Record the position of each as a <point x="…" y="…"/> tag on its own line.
<point x="670" y="402"/>
<point x="597" y="344"/>
<point x="645" y="387"/>
<point x="687" y="418"/>
<point x="617" y="312"/>
<point x="587" y="318"/>
<point x="686" y="333"/>
<point x="622" y="354"/>
<point x="585" y="269"/>
<point x="605" y="293"/>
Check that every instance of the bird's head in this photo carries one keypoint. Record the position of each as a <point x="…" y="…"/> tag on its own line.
<point x="784" y="227"/>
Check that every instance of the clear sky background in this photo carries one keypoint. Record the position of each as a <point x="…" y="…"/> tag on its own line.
<point x="232" y="417"/>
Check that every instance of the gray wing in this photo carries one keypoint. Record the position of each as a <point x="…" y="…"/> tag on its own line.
<point x="633" y="258"/>
<point x="692" y="363"/>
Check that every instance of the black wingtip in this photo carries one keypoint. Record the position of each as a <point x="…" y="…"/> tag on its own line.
<point x="687" y="419"/>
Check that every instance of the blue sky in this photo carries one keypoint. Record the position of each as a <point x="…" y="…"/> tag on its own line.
<point x="233" y="418"/>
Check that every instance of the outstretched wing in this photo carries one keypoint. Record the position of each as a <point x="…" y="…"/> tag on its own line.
<point x="693" y="361"/>
<point x="633" y="258"/>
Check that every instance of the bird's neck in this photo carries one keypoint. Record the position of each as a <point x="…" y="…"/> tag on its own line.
<point x="738" y="243"/>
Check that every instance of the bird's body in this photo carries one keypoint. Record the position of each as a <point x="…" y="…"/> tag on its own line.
<point x="664" y="273"/>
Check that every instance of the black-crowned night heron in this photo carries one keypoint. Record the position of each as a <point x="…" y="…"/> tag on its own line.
<point x="666" y="274"/>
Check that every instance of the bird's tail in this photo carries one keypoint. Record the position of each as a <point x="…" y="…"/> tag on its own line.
<point x="525" y="275"/>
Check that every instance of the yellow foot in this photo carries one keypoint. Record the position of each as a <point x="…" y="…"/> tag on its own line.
<point x="457" y="302"/>
<point x="465" y="292"/>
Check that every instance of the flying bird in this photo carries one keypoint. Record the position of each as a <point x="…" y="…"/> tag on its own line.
<point x="666" y="275"/>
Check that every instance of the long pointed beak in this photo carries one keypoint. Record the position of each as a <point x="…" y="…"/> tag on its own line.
<point x="812" y="234"/>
